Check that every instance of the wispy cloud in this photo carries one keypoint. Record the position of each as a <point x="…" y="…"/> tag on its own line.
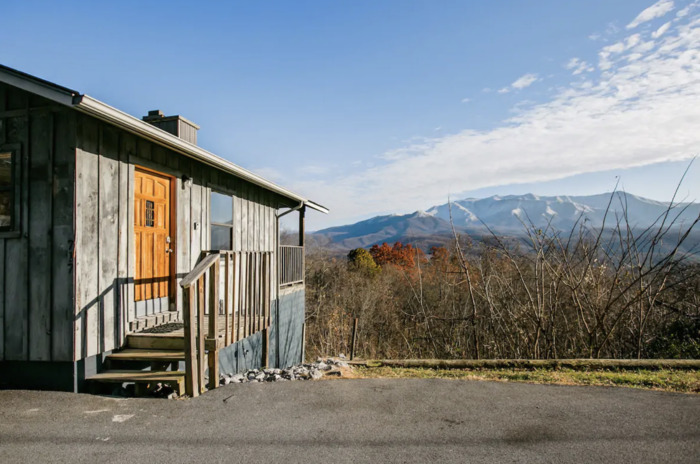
<point x="466" y="100"/>
<point x="526" y="80"/>
<point x="660" y="31"/>
<point x="578" y="66"/>
<point x="607" y="53"/>
<point x="657" y="10"/>
<point x="641" y="109"/>
<point x="314" y="170"/>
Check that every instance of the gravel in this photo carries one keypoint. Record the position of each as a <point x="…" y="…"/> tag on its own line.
<point x="307" y="371"/>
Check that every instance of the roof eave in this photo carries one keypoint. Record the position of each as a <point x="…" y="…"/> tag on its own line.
<point x="96" y="108"/>
<point x="37" y="86"/>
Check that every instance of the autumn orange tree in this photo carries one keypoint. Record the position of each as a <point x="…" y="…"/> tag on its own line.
<point x="399" y="255"/>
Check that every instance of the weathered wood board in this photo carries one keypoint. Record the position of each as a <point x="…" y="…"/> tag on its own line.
<point x="66" y="275"/>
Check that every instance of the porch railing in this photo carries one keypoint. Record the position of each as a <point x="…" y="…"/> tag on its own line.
<point x="246" y="289"/>
<point x="291" y="264"/>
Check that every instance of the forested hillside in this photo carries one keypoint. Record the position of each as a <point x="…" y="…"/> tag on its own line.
<point x="624" y="293"/>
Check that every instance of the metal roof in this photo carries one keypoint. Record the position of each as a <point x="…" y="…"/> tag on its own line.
<point x="104" y="112"/>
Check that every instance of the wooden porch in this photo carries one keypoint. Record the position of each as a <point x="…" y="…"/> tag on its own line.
<point x="237" y="287"/>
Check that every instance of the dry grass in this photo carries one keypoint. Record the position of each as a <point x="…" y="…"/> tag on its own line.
<point x="663" y="380"/>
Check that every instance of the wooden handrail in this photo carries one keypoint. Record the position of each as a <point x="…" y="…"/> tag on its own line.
<point x="199" y="270"/>
<point x="247" y="302"/>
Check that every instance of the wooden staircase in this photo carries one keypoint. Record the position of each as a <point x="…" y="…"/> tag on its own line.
<point x="162" y="351"/>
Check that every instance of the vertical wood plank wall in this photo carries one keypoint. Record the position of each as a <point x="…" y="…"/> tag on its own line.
<point x="106" y="158"/>
<point x="36" y="263"/>
<point x="105" y="161"/>
<point x="66" y="277"/>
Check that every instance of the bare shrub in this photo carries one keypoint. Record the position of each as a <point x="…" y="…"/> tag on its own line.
<point x="612" y="292"/>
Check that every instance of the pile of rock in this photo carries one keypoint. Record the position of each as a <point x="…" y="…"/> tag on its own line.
<point x="308" y="371"/>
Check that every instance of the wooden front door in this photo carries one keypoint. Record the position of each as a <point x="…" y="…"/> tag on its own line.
<point x="152" y="206"/>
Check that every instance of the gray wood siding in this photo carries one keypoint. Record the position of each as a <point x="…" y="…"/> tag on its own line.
<point x="66" y="276"/>
<point x="36" y="264"/>
<point x="254" y="221"/>
<point x="104" y="259"/>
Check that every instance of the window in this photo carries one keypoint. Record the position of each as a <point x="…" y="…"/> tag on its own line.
<point x="9" y="220"/>
<point x="221" y="221"/>
<point x="150" y="213"/>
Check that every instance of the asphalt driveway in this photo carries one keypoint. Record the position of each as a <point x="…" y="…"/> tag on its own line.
<point x="356" y="421"/>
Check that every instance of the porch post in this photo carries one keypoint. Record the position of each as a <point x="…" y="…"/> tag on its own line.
<point x="302" y="210"/>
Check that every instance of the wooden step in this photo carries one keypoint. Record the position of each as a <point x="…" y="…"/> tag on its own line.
<point x="154" y="320"/>
<point x="149" y="341"/>
<point x="148" y="355"/>
<point x="176" y="379"/>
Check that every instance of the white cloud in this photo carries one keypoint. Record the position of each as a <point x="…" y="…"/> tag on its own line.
<point x="687" y="9"/>
<point x="466" y="100"/>
<point x="641" y="110"/>
<point x="578" y="66"/>
<point x="657" y="10"/>
<point x="660" y="31"/>
<point x="606" y="55"/>
<point x="314" y="170"/>
<point x="525" y="80"/>
<point x="683" y="12"/>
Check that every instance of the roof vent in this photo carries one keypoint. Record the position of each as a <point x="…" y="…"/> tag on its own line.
<point x="176" y="125"/>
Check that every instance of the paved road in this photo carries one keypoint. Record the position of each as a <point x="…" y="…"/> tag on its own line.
<point x="356" y="421"/>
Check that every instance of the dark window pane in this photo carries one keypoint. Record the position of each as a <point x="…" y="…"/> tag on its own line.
<point x="6" y="202"/>
<point x="221" y="208"/>
<point x="150" y="213"/>
<point x="220" y="237"/>
<point x="5" y="170"/>
<point x="5" y="209"/>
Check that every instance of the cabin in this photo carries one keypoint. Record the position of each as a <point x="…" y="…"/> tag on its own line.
<point x="130" y="254"/>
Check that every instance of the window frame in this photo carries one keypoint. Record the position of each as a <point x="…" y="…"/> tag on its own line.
<point x="14" y="229"/>
<point x="220" y="224"/>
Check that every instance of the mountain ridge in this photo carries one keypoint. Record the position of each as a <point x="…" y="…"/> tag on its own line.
<point x="504" y="215"/>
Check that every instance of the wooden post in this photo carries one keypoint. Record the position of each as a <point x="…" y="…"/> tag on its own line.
<point x="256" y="290"/>
<point x="265" y="347"/>
<point x="302" y="233"/>
<point x="250" y="289"/>
<point x="268" y="289"/>
<point x="214" y="281"/>
<point x="227" y="298"/>
<point x="302" y="212"/>
<point x="303" y="340"/>
<point x="191" y="368"/>
<point x="200" y="331"/>
<point x="234" y="306"/>
<point x="244" y="293"/>
<point x="354" y="338"/>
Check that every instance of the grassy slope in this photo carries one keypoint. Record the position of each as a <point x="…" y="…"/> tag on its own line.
<point x="684" y="381"/>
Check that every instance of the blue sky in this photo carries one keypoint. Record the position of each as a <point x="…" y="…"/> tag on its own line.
<point x="391" y="106"/>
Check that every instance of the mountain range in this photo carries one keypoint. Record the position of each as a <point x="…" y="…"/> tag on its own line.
<point x="504" y="215"/>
